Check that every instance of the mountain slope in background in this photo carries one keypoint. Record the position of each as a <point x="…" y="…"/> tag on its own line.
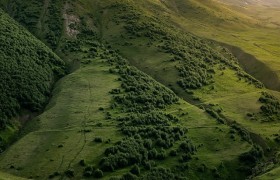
<point x="244" y="3"/>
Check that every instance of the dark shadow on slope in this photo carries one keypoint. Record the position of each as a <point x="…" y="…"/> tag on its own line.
<point x="255" y="67"/>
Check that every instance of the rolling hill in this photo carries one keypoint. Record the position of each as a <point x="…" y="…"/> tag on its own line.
<point x="151" y="93"/>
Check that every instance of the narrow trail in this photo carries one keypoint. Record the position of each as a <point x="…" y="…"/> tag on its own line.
<point x="43" y="15"/>
<point x="83" y="138"/>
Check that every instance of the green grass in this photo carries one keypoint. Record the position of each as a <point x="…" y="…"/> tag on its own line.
<point x="238" y="29"/>
<point x="56" y="140"/>
<point x="74" y="107"/>
<point x="271" y="175"/>
<point x="5" y="176"/>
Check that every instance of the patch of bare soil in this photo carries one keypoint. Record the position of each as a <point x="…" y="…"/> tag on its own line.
<point x="71" y="22"/>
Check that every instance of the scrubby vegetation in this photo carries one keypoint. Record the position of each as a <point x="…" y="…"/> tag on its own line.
<point x="28" y="70"/>
<point x="270" y="108"/>
<point x="44" y="19"/>
<point x="149" y="133"/>
<point x="26" y="12"/>
<point x="196" y="59"/>
<point x="140" y="133"/>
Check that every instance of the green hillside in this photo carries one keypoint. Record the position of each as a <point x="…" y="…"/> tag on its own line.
<point x="253" y="29"/>
<point x="146" y="97"/>
<point x="28" y="71"/>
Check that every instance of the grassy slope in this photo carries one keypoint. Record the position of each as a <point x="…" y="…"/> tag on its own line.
<point x="5" y="176"/>
<point x="235" y="97"/>
<point x="74" y="107"/>
<point x="80" y="109"/>
<point x="149" y="60"/>
<point x="232" y="27"/>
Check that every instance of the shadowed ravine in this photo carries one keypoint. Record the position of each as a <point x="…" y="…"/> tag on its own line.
<point x="255" y="67"/>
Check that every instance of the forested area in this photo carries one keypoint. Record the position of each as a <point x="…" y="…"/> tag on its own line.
<point x="28" y="70"/>
<point x="42" y="18"/>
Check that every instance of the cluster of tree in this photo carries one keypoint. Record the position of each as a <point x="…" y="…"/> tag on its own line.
<point x="270" y="107"/>
<point x="54" y="23"/>
<point x="141" y="93"/>
<point x="26" y="12"/>
<point x="28" y="70"/>
<point x="215" y="114"/>
<point x="253" y="156"/>
<point x="161" y="173"/>
<point x="250" y="79"/>
<point x="149" y="133"/>
<point x="245" y="135"/>
<point x="151" y="118"/>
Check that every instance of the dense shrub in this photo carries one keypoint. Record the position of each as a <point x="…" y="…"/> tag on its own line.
<point x="270" y="107"/>
<point x="135" y="170"/>
<point x="98" y="173"/>
<point x="28" y="70"/>
<point x="253" y="156"/>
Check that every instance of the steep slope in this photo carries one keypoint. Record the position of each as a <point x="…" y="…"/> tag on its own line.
<point x="253" y="29"/>
<point x="170" y="56"/>
<point x="28" y="70"/>
<point x="127" y="124"/>
<point x="114" y="106"/>
<point x="270" y="3"/>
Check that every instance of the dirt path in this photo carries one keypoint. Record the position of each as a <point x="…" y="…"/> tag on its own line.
<point x="42" y="18"/>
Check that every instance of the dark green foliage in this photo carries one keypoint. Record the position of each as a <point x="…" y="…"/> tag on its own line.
<point x="129" y="176"/>
<point x="135" y="170"/>
<point x="26" y="12"/>
<point x="55" y="22"/>
<point x="69" y="173"/>
<point x="98" y="139"/>
<point x="127" y="152"/>
<point x="212" y="112"/>
<point x="141" y="92"/>
<point x="82" y="162"/>
<point x="149" y="132"/>
<point x="160" y="173"/>
<point x="270" y="107"/>
<point x="29" y="14"/>
<point x="253" y="156"/>
<point x="151" y="118"/>
<point x="245" y="135"/>
<point x="98" y="173"/>
<point x="28" y="69"/>
<point x="53" y="175"/>
<point x="187" y="147"/>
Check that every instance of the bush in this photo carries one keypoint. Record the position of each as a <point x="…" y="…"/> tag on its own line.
<point x="98" y="139"/>
<point x="135" y="170"/>
<point x="129" y="176"/>
<point x="98" y="173"/>
<point x="69" y="173"/>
